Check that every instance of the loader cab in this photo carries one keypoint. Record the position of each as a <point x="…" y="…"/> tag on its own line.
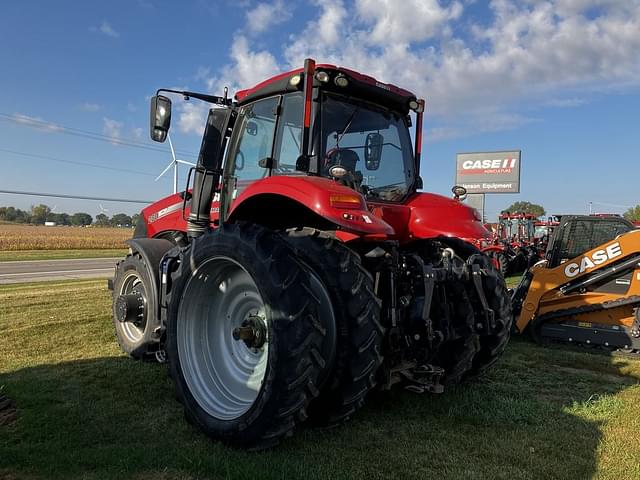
<point x="578" y="234"/>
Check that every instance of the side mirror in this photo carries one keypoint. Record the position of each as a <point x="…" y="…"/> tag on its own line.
<point x="459" y="192"/>
<point x="160" y="117"/>
<point x="373" y="150"/>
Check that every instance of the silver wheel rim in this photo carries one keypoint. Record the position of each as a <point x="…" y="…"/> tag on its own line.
<point x="131" y="282"/>
<point x="224" y="375"/>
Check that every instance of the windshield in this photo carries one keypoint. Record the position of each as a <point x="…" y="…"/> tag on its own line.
<point x="372" y="144"/>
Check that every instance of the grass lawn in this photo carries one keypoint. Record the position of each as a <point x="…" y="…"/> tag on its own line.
<point x="14" y="255"/>
<point x="88" y="412"/>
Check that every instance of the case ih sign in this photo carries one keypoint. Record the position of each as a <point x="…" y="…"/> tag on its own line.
<point x="489" y="172"/>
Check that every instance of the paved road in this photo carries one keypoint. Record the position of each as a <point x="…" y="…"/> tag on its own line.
<point x="40" y="270"/>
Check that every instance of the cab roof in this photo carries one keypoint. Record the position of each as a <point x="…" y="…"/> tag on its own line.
<point x="360" y="85"/>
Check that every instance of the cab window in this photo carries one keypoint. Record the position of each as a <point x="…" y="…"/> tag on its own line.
<point x="258" y="127"/>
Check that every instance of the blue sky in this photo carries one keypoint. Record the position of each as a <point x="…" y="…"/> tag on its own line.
<point x="559" y="80"/>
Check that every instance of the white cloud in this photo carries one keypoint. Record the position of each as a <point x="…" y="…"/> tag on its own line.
<point x="112" y="129"/>
<point x="265" y="15"/>
<point x="247" y="68"/>
<point x="192" y="117"/>
<point x="566" y="102"/>
<point x="137" y="133"/>
<point x="405" y="21"/>
<point x="106" y="29"/>
<point x="36" y="122"/>
<point x="90" y="107"/>
<point x="553" y="53"/>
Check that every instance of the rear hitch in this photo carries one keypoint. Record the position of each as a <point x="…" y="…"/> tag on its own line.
<point x="489" y="323"/>
<point x="423" y="378"/>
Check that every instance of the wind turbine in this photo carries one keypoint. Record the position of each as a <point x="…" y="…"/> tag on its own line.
<point x="174" y="163"/>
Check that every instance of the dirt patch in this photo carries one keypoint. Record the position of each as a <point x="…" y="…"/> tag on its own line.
<point x="8" y="411"/>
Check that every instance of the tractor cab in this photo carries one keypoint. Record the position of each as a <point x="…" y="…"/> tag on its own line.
<point x="517" y="228"/>
<point x="344" y="126"/>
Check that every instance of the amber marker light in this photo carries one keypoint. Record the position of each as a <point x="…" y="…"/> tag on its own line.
<point x="345" y="201"/>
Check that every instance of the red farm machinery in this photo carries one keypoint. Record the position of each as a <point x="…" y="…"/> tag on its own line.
<point x="302" y="267"/>
<point x="516" y="245"/>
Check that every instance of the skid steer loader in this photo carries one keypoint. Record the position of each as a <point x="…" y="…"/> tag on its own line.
<point x="587" y="290"/>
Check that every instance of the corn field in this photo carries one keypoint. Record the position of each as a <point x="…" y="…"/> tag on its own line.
<point x="33" y="237"/>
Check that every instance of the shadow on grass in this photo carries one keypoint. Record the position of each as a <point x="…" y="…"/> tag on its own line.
<point x="534" y="416"/>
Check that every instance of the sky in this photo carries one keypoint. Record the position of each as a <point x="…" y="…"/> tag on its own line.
<point x="557" y="79"/>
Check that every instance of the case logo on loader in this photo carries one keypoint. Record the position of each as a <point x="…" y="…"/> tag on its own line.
<point x="597" y="258"/>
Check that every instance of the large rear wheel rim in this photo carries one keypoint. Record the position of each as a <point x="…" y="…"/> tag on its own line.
<point x="224" y="375"/>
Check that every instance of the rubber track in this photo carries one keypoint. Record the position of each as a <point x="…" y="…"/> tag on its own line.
<point x="595" y="307"/>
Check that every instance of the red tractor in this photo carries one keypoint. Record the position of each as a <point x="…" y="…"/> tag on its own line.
<point x="543" y="232"/>
<point x="301" y="267"/>
<point x="514" y="247"/>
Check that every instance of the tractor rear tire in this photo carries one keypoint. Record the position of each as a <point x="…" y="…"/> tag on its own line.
<point x="133" y="277"/>
<point x="456" y="356"/>
<point x="492" y="345"/>
<point x="356" y="313"/>
<point x="502" y="261"/>
<point x="243" y="338"/>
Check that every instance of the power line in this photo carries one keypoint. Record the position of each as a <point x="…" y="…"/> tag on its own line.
<point x="77" y="197"/>
<point x="57" y="128"/>
<point x="75" y="162"/>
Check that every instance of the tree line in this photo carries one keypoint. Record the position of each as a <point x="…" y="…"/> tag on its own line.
<point x="39" y="214"/>
<point x="632" y="214"/>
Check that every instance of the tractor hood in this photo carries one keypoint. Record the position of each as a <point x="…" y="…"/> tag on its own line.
<point x="427" y="215"/>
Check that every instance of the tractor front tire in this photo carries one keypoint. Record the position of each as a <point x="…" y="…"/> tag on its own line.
<point x="243" y="338"/>
<point x="355" y="311"/>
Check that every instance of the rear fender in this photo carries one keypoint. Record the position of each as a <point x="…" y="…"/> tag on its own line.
<point x="151" y="250"/>
<point x="288" y="201"/>
<point x="434" y="216"/>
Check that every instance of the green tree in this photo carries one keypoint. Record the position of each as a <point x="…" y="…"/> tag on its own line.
<point x="633" y="214"/>
<point x="135" y="218"/>
<point x="59" y="218"/>
<point x="10" y="214"/>
<point x="102" y="220"/>
<point x="39" y="213"/>
<point x="81" y="219"/>
<point x="121" y="220"/>
<point x="527" y="207"/>
<point x="21" y="216"/>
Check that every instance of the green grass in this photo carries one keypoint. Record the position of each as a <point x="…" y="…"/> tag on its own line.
<point x="512" y="281"/>
<point x="8" y="255"/>
<point x="88" y="412"/>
